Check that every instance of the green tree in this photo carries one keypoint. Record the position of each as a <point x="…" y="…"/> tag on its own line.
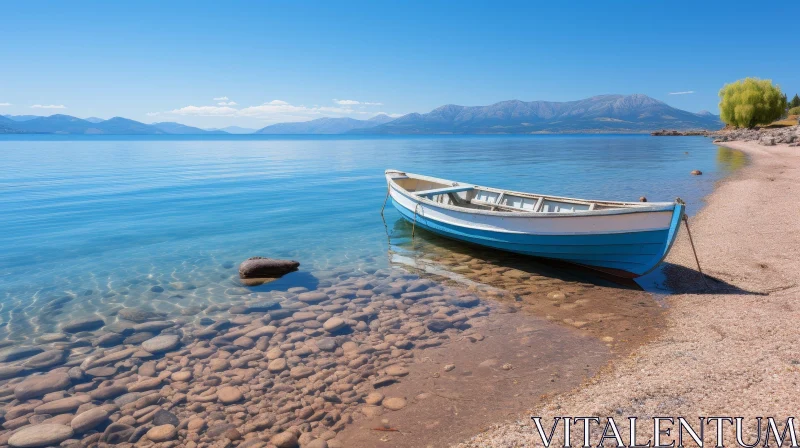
<point x="750" y="102"/>
<point x="794" y="111"/>
<point x="795" y="101"/>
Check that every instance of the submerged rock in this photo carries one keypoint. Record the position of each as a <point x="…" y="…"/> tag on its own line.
<point x="88" y="323"/>
<point x="138" y="315"/>
<point x="261" y="267"/>
<point x="40" y="435"/>
<point x="15" y="353"/>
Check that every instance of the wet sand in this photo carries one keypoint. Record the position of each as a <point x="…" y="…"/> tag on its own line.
<point x="727" y="350"/>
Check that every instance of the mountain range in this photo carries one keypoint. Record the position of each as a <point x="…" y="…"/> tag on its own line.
<point x="325" y="125"/>
<point x="599" y="114"/>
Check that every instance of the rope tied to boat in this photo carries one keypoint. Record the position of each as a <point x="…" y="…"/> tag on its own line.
<point x="414" y="225"/>
<point x="691" y="241"/>
<point x="385" y="199"/>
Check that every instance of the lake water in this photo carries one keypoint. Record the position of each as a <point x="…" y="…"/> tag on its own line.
<point x="118" y="259"/>
<point x="104" y="220"/>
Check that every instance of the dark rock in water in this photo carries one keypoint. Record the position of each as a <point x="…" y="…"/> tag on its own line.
<point x="206" y="321"/>
<point x="46" y="359"/>
<point x="163" y="417"/>
<point x="227" y="265"/>
<point x="643" y="199"/>
<point x="157" y="289"/>
<point x="696" y="173"/>
<point x="15" y="353"/>
<point x="464" y="302"/>
<point x="260" y="267"/>
<point x="138" y="315"/>
<point x="439" y="325"/>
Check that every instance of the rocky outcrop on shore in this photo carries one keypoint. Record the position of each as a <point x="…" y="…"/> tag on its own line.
<point x="676" y="133"/>
<point x="767" y="137"/>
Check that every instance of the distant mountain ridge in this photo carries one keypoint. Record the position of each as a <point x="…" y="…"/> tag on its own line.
<point x="67" y="124"/>
<point x="599" y="114"/>
<point x="324" y="125"/>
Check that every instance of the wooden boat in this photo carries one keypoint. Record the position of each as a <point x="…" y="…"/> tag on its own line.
<point x="626" y="239"/>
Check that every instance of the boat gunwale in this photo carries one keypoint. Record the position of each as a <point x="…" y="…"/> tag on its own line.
<point x="627" y="207"/>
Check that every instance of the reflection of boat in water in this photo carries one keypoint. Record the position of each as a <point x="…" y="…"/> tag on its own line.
<point x="627" y="239"/>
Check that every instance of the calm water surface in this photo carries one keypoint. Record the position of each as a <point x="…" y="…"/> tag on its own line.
<point x="105" y="221"/>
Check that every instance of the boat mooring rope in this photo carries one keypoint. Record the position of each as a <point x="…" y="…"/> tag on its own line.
<point x="691" y="241"/>
<point x="414" y="225"/>
<point x="384" y="200"/>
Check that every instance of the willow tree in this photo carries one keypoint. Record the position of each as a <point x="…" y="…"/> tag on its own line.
<point x="750" y="102"/>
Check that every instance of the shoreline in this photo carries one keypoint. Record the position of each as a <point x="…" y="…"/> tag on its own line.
<point x="705" y="361"/>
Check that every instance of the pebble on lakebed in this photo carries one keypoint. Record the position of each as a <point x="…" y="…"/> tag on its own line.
<point x="292" y="369"/>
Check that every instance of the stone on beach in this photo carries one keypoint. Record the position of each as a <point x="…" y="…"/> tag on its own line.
<point x="41" y="435"/>
<point x="261" y="267"/>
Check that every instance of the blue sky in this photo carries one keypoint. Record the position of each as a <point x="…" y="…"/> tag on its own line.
<point x="289" y="61"/>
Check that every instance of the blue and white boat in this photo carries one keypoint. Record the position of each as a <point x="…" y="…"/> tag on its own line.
<point x="625" y="239"/>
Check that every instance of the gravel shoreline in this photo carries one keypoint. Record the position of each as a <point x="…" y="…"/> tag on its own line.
<point x="727" y="350"/>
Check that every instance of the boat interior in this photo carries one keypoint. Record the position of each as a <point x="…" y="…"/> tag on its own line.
<point x="492" y="199"/>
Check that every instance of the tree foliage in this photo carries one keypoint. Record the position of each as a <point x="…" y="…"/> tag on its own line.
<point x="795" y="101"/>
<point x="750" y="102"/>
<point x="794" y="111"/>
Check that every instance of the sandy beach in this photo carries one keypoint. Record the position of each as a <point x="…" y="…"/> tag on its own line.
<point x="727" y="350"/>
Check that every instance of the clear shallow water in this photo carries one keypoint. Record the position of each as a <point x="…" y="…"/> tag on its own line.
<point x="106" y="221"/>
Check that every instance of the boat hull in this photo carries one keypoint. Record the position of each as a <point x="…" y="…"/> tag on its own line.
<point x="623" y="244"/>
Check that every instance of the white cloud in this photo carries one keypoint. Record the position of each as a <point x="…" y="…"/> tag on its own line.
<point x="682" y="93"/>
<point x="272" y="111"/>
<point x="222" y="98"/>
<point x="5" y="104"/>
<point x="48" y="106"/>
<point x="208" y="111"/>
<point x="355" y="103"/>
